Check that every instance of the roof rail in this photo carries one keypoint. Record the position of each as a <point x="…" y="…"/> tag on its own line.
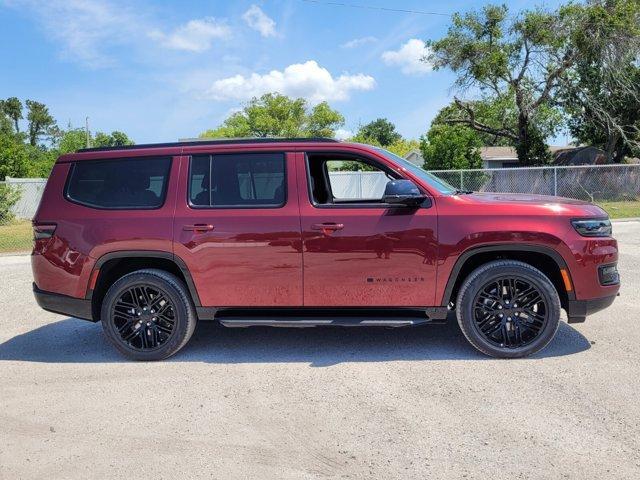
<point x="204" y="141"/>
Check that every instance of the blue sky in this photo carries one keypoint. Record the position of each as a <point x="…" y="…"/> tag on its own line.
<point x="161" y="70"/>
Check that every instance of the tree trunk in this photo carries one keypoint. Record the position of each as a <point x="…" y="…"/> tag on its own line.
<point x="522" y="145"/>
<point x="33" y="136"/>
<point x="610" y="147"/>
<point x="620" y="152"/>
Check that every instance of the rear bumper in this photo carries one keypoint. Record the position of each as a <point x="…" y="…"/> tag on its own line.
<point x="577" y="310"/>
<point x="63" y="304"/>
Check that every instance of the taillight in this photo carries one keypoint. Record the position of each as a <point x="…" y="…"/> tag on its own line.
<point x="43" y="231"/>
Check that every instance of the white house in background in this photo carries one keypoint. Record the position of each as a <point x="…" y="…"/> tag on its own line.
<point x="499" y="157"/>
<point x="492" y="157"/>
<point x="506" y="157"/>
<point x="415" y="157"/>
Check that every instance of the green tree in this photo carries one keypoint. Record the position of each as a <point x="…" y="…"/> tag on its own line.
<point x="40" y="161"/>
<point x="403" y="146"/>
<point x="276" y="115"/>
<point x="115" y="139"/>
<point x="449" y="147"/>
<point x="520" y="58"/>
<point x="72" y="140"/>
<point x="14" y="158"/>
<point x="323" y="121"/>
<point x="601" y="94"/>
<point x="12" y="107"/>
<point x="40" y="121"/>
<point x="381" y="130"/>
<point x="8" y="198"/>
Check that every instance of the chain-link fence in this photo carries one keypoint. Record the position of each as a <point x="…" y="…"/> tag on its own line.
<point x="19" y="200"/>
<point x="595" y="183"/>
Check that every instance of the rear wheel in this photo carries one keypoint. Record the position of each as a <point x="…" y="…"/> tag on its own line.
<point x="148" y="315"/>
<point x="508" y="309"/>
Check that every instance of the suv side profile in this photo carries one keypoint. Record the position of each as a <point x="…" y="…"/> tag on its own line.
<point x="150" y="239"/>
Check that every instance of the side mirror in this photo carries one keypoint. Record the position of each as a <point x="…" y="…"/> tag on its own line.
<point x="403" y="192"/>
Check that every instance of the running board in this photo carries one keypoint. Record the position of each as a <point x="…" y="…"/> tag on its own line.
<point x="340" y="318"/>
<point x="351" y="322"/>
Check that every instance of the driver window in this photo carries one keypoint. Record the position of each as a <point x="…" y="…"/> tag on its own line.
<point x="347" y="180"/>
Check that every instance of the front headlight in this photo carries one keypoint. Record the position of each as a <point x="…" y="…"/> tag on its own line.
<point x="593" y="227"/>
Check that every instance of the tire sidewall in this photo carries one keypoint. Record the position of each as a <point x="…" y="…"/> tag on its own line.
<point x="483" y="275"/>
<point x="181" y="327"/>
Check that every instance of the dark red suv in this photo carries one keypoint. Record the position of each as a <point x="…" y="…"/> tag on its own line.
<point x="151" y="238"/>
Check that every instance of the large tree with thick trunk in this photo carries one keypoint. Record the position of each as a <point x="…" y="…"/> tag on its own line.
<point x="523" y="58"/>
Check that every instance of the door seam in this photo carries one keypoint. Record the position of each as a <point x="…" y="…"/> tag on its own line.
<point x="296" y="164"/>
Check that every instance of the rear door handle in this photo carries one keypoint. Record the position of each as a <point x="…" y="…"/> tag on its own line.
<point x="327" y="227"/>
<point x="198" y="227"/>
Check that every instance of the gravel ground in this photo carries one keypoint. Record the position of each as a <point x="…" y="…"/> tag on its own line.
<point x="319" y="403"/>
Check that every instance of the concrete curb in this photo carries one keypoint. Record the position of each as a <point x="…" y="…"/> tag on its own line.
<point x="14" y="259"/>
<point x="624" y="220"/>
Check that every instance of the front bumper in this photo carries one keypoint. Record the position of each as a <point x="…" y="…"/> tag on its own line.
<point x="63" y="304"/>
<point x="577" y="310"/>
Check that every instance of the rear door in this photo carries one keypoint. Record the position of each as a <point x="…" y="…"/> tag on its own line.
<point x="359" y="251"/>
<point x="237" y="228"/>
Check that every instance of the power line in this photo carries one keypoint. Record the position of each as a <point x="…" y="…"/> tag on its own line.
<point x="372" y="7"/>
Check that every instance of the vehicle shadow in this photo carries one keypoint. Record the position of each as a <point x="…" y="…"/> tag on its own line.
<point x="76" y="341"/>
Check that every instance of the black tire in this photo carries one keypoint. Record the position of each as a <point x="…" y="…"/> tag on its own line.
<point x="486" y="302"/>
<point x="165" y="325"/>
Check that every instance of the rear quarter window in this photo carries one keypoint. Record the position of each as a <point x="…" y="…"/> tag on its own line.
<point x="124" y="183"/>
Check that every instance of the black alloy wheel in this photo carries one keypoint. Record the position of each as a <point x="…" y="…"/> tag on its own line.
<point x="508" y="309"/>
<point x="510" y="312"/>
<point x="144" y="316"/>
<point x="148" y="314"/>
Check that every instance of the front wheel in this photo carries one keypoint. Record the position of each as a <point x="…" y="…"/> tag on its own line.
<point x="508" y="309"/>
<point x="148" y="315"/>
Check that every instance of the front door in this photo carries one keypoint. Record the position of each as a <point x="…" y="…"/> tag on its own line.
<point x="357" y="250"/>
<point x="237" y="228"/>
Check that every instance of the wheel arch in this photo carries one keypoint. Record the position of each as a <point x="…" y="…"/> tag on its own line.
<point x="545" y="259"/>
<point x="114" y="265"/>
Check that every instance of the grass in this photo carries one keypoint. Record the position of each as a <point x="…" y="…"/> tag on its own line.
<point x="621" y="209"/>
<point x="16" y="237"/>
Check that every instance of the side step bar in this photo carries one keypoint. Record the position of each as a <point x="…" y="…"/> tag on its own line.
<point x="341" y="318"/>
<point x="255" y="322"/>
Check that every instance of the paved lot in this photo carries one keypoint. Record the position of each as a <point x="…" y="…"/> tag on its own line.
<point x="319" y="403"/>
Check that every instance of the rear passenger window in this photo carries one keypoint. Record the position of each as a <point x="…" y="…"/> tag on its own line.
<point x="126" y="183"/>
<point x="242" y="180"/>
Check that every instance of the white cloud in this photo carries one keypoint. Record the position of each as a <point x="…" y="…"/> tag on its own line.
<point x="343" y="134"/>
<point x="409" y="58"/>
<point x="358" y="42"/>
<point x="260" y="21"/>
<point x="193" y="36"/>
<point x="307" y="80"/>
<point x="86" y="29"/>
<point x="90" y="31"/>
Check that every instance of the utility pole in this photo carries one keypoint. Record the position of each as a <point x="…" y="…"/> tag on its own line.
<point x="86" y="127"/>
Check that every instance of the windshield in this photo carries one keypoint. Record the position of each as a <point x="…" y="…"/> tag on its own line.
<point x="430" y="179"/>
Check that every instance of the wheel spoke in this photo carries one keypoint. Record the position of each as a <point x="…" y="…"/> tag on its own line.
<point x="126" y="325"/>
<point x="157" y="300"/>
<point x="131" y="335"/>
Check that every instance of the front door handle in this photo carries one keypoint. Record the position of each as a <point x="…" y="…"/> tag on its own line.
<point x="198" y="227"/>
<point x="327" y="228"/>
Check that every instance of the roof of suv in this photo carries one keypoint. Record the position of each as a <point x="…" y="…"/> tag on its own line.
<point x="188" y="147"/>
<point x="222" y="141"/>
